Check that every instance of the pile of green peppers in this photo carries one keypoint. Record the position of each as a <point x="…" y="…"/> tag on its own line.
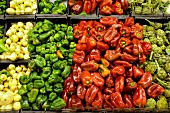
<point x="53" y="45"/>
<point x="1" y="31"/>
<point x="2" y="6"/>
<point x="47" y="7"/>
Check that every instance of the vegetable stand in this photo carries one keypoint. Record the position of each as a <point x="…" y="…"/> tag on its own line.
<point x="79" y="63"/>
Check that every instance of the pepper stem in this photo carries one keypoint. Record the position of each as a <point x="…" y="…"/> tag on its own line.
<point x="132" y="84"/>
<point x="87" y="82"/>
<point x="123" y="32"/>
<point x="99" y="29"/>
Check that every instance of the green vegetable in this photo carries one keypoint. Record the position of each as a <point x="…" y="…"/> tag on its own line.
<point x="34" y="76"/>
<point x="4" y="71"/>
<point x="30" y="85"/>
<point x="150" y="103"/>
<point x="163" y="83"/>
<point x="24" y="103"/>
<point x="32" y="95"/>
<point x="22" y="90"/>
<point x="167" y="93"/>
<point x="31" y="64"/>
<point x="58" y="88"/>
<point x="65" y="43"/>
<point x="38" y="84"/>
<point x="24" y="79"/>
<point x="41" y="99"/>
<point x="160" y="71"/>
<point x="46" y="105"/>
<point x="31" y="48"/>
<point x="57" y="27"/>
<point x="151" y="67"/>
<point x="56" y="72"/>
<point x="53" y="79"/>
<point x="167" y="67"/>
<point x="48" y="87"/>
<point x="156" y="25"/>
<point x="35" y="106"/>
<point x="46" y="72"/>
<point x="53" y="58"/>
<point x="162" y="103"/>
<point x="52" y="96"/>
<point x="66" y="72"/>
<point x="40" y="61"/>
<point x="57" y="104"/>
<point x="39" y="24"/>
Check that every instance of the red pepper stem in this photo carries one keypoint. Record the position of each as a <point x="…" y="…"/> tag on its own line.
<point x="87" y="82"/>
<point x="123" y="32"/>
<point x="132" y="84"/>
<point x="99" y="29"/>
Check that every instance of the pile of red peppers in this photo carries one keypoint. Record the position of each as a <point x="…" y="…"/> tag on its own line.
<point x="106" y="7"/>
<point x="105" y="74"/>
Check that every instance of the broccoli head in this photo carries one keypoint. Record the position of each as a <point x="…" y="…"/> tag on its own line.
<point x="150" y="103"/>
<point x="150" y="28"/>
<point x="167" y="93"/>
<point x="160" y="32"/>
<point x="160" y="71"/>
<point x="151" y="67"/>
<point x="162" y="103"/>
<point x="160" y="41"/>
<point x="167" y="67"/>
<point x="156" y="49"/>
<point x="162" y="60"/>
<point x="153" y="39"/>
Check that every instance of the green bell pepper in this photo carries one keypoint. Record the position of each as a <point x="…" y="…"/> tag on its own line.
<point x="31" y="64"/>
<point x="72" y="45"/>
<point x="57" y="27"/>
<point x="70" y="33"/>
<point x="57" y="37"/>
<point x="33" y="41"/>
<point x="45" y="11"/>
<point x="22" y="90"/>
<point x="32" y="95"/>
<point x="56" y="72"/>
<point x="49" y="64"/>
<point x="58" y="104"/>
<point x="47" y="56"/>
<point x="48" y="45"/>
<point x="59" y="44"/>
<point x="70" y="55"/>
<point x="41" y="30"/>
<point x="31" y="48"/>
<point x="53" y="79"/>
<point x="45" y="51"/>
<point x="50" y="39"/>
<point x="48" y="22"/>
<point x="70" y="62"/>
<point x="66" y="72"/>
<point x="58" y="88"/>
<point x="44" y="36"/>
<point x="62" y="34"/>
<point x="48" y="87"/>
<point x="72" y="50"/>
<point x="38" y="84"/>
<point x="46" y="72"/>
<point x="65" y="43"/>
<point x="54" y="8"/>
<point x="40" y="61"/>
<point x="46" y="105"/>
<point x="35" y="106"/>
<point x="48" y="5"/>
<point x="42" y="90"/>
<point x="39" y="24"/>
<point x="53" y="49"/>
<point x="59" y="64"/>
<point x="41" y="99"/>
<point x="24" y="103"/>
<point x="64" y="51"/>
<point x="24" y="79"/>
<point x="34" y="76"/>
<point x="52" y="96"/>
<point x="30" y="85"/>
<point x="4" y="71"/>
<point x="53" y="58"/>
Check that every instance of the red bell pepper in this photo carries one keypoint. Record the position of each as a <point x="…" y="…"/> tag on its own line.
<point x="129" y="49"/>
<point x="93" y="5"/>
<point x="93" y="32"/>
<point x="77" y="8"/>
<point x="106" y="10"/>
<point x="136" y="27"/>
<point x="128" y="101"/>
<point x="78" y="33"/>
<point x="110" y="34"/>
<point x="105" y="62"/>
<point x="75" y="103"/>
<point x="139" y="97"/>
<point x="128" y="57"/>
<point x="98" y="26"/>
<point x="65" y="96"/>
<point x="91" y="94"/>
<point x="125" y="31"/>
<point x="78" y="57"/>
<point x="142" y="59"/>
<point x="108" y="20"/>
<point x="137" y="47"/>
<point x="87" y="58"/>
<point x="90" y="65"/>
<point x="111" y="55"/>
<point x="130" y="85"/>
<point x="129" y="73"/>
<point x="80" y="47"/>
<point x="91" y="44"/>
<point x="100" y="35"/>
<point x="115" y="40"/>
<point x="105" y="3"/>
<point x="104" y="71"/>
<point x="98" y="102"/>
<point x="119" y="83"/>
<point x="118" y="70"/>
<point x="147" y="48"/>
<point x="137" y="35"/>
<point x="122" y="63"/>
<point x="155" y="90"/>
<point x="84" y="37"/>
<point x="109" y="81"/>
<point x="116" y="5"/>
<point x="82" y="24"/>
<point x="87" y="6"/>
<point x="89" y="25"/>
<point x="95" y="55"/>
<point x="102" y="46"/>
<point x="71" y="2"/>
<point x="123" y="42"/>
<point x="129" y="21"/>
<point x="107" y="99"/>
<point x="69" y="85"/>
<point x="86" y="78"/>
<point x="124" y="4"/>
<point x="97" y="79"/>
<point x="117" y="100"/>
<point x="118" y="10"/>
<point x="81" y="91"/>
<point x="109" y="90"/>
<point x="76" y="73"/>
<point x="118" y="49"/>
<point x="137" y="72"/>
<point x="146" y="80"/>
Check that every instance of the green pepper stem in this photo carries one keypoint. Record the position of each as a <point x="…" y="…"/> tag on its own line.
<point x="87" y="82"/>
<point x="132" y="84"/>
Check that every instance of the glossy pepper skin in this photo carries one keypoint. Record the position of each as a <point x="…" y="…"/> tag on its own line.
<point x="78" y="32"/>
<point x="112" y="55"/>
<point x="77" y="8"/>
<point x="130" y="85"/>
<point x="91" y="94"/>
<point x="105" y="62"/>
<point x="147" y="48"/>
<point x="115" y="40"/>
<point x="119" y="83"/>
<point x="95" y="55"/>
<point x="98" y="26"/>
<point x="80" y="47"/>
<point x="87" y="6"/>
<point x="75" y="102"/>
<point x="128" y="101"/>
<point x="117" y="70"/>
<point x="104" y="71"/>
<point x="109" y="81"/>
<point x="129" y="72"/>
<point x="90" y="65"/>
<point x="77" y="73"/>
<point x="146" y="80"/>
<point x="81" y="91"/>
<point x="137" y="72"/>
<point x="106" y="10"/>
<point x="129" y="21"/>
<point x="98" y="101"/>
<point x="109" y="90"/>
<point x="139" y="97"/>
<point x="123" y="42"/>
<point x="110" y="34"/>
<point x="97" y="79"/>
<point x="108" y="20"/>
<point x="117" y="100"/>
<point x="128" y="49"/>
<point x="78" y="57"/>
<point x="69" y="85"/>
<point x="107" y="102"/>
<point x="88" y="25"/>
<point x="93" y="5"/>
<point x="65" y="96"/>
<point x="155" y="90"/>
<point x="125" y="31"/>
<point x="122" y="63"/>
<point x="32" y="95"/>
<point x="118" y="10"/>
<point x="128" y="57"/>
<point x="102" y="46"/>
<point x="91" y="44"/>
<point x="86" y="78"/>
<point x="137" y="35"/>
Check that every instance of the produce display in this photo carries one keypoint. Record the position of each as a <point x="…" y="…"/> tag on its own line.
<point x="9" y="86"/>
<point x="53" y="45"/>
<point x="47" y="7"/>
<point x="16" y="43"/>
<point x="21" y="7"/>
<point x="2" y="7"/>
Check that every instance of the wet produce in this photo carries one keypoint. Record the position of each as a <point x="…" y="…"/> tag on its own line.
<point x="47" y="7"/>
<point x="10" y="85"/>
<point x="53" y="47"/>
<point x="105" y="74"/>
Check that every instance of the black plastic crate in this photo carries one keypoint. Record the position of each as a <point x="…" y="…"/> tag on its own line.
<point x="38" y="15"/>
